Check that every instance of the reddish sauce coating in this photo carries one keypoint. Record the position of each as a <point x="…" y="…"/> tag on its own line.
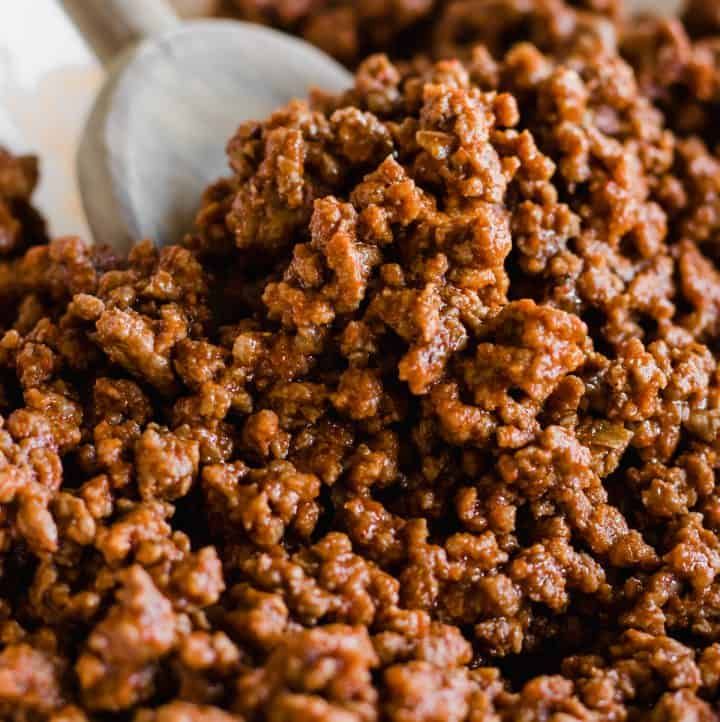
<point x="20" y="224"/>
<point x="421" y="423"/>
<point x="351" y="29"/>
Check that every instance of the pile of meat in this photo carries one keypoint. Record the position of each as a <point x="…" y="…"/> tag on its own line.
<point x="422" y="421"/>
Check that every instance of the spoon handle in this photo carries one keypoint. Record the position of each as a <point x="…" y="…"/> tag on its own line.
<point x="111" y="26"/>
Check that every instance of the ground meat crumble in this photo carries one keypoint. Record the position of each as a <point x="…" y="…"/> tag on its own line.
<point x="422" y="421"/>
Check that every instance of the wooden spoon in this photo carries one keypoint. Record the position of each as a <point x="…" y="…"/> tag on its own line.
<point x="156" y="135"/>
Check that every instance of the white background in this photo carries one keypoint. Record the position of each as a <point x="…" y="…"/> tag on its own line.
<point x="48" y="79"/>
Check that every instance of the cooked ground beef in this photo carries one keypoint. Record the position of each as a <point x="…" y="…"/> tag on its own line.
<point x="420" y="424"/>
<point x="20" y="224"/>
<point x="350" y="30"/>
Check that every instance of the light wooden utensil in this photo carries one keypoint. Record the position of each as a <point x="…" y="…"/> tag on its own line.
<point x="175" y="93"/>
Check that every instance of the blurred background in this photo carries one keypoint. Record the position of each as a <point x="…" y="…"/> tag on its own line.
<point x="48" y="80"/>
